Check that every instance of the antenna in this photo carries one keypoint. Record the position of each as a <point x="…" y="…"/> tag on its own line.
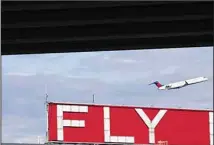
<point x="46" y="94"/>
<point x="46" y="110"/>
<point x="93" y="98"/>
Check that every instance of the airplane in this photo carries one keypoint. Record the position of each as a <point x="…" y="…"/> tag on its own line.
<point x="180" y="84"/>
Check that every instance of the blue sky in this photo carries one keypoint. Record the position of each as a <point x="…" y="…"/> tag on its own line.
<point x="119" y="77"/>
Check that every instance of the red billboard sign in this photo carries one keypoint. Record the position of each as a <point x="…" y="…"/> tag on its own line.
<point x="89" y="123"/>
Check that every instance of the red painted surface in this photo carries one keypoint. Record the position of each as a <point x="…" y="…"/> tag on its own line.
<point x="52" y="122"/>
<point x="184" y="128"/>
<point x="178" y="127"/>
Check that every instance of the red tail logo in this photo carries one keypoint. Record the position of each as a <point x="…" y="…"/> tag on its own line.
<point x="157" y="84"/>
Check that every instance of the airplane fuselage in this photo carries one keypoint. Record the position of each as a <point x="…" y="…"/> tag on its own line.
<point x="181" y="84"/>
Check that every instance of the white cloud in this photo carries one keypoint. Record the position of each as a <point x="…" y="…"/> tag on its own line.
<point x="129" y="61"/>
<point x="21" y="129"/>
<point x="30" y="139"/>
<point x="169" y="70"/>
<point x="20" y="74"/>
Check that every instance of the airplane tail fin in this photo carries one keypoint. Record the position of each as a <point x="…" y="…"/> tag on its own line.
<point x="158" y="84"/>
